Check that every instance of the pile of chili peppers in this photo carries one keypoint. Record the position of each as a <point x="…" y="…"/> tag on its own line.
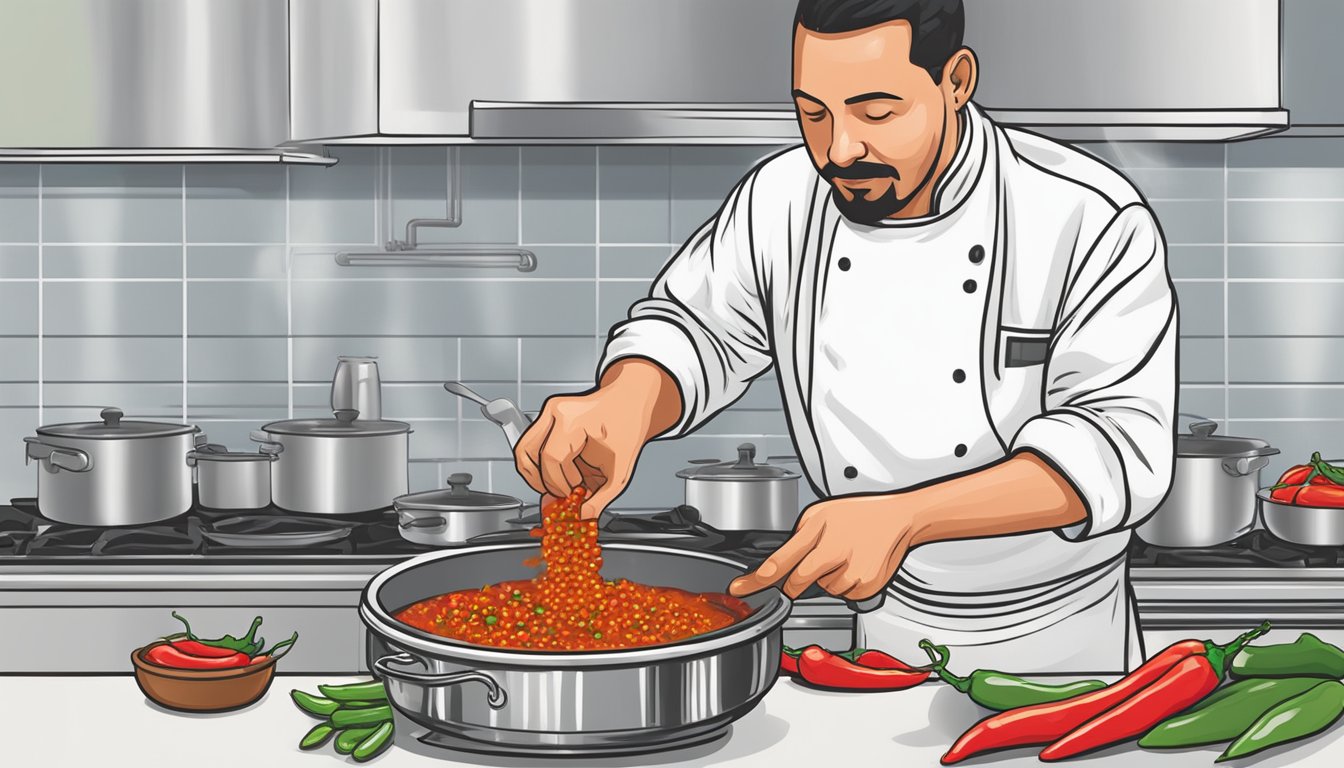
<point x="356" y="715"/>
<point x="857" y="670"/>
<point x="187" y="651"/>
<point x="1317" y="483"/>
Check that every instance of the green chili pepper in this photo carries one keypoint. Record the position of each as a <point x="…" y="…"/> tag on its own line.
<point x="347" y="740"/>
<point x="352" y="692"/>
<point x="1329" y="471"/>
<point x="374" y="743"/>
<point x="1226" y="714"/>
<point x="1301" y="716"/>
<point x="248" y="644"/>
<point x="282" y="644"/>
<point x="1308" y="656"/>
<point x="314" y="705"/>
<point x="354" y="718"/>
<point x="1000" y="691"/>
<point x="317" y="736"/>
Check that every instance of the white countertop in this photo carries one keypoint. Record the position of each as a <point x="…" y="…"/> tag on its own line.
<point x="106" y="721"/>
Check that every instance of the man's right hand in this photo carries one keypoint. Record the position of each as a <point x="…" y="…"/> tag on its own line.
<point x="593" y="439"/>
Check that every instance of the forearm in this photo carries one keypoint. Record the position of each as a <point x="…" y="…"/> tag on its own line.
<point x="1019" y="495"/>
<point x="647" y="384"/>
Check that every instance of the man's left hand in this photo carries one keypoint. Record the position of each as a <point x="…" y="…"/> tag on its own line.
<point x="850" y="547"/>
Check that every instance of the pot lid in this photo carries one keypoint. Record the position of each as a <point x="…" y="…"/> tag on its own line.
<point x="1202" y="443"/>
<point x="745" y="468"/>
<point x="346" y="423"/>
<point x="112" y="427"/>
<point x="457" y="497"/>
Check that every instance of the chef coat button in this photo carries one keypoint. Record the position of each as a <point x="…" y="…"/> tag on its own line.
<point x="844" y="264"/>
<point x="968" y="286"/>
<point x="977" y="254"/>
<point x="958" y="375"/>
<point x="851" y="473"/>
<point x="960" y="450"/>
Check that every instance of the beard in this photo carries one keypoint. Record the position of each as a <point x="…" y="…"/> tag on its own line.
<point x="867" y="207"/>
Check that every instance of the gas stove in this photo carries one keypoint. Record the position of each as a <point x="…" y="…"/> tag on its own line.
<point x="1256" y="549"/>
<point x="274" y="536"/>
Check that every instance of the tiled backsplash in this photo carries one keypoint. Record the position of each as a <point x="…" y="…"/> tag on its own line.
<point x="210" y="293"/>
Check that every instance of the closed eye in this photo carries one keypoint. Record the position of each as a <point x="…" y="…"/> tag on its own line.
<point x="880" y="117"/>
<point x="815" y="117"/>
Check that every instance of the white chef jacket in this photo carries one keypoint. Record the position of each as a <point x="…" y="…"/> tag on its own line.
<point x="1032" y="310"/>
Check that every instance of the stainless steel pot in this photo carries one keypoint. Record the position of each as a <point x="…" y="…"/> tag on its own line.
<point x="337" y="466"/>
<point x="1212" y="499"/>
<point x="113" y="472"/>
<point x="233" y="480"/>
<point x="743" y="495"/>
<point x="1298" y="524"/>
<point x="450" y="517"/>
<point x="604" y="702"/>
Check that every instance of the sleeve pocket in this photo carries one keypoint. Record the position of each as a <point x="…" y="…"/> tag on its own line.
<point x="1025" y="348"/>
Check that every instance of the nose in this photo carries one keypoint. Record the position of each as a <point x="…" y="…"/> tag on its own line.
<point x="845" y="148"/>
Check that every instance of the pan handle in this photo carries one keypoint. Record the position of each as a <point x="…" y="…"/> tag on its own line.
<point x="54" y="457"/>
<point x="1241" y="466"/>
<point x="384" y="667"/>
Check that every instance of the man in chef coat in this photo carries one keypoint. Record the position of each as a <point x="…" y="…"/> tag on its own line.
<point x="975" y="337"/>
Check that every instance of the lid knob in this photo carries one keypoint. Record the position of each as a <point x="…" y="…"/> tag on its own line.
<point x="746" y="456"/>
<point x="458" y="482"/>
<point x="346" y="415"/>
<point x="111" y="416"/>
<point x="1203" y="429"/>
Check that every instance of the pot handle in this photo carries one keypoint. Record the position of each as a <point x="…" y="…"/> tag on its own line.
<point x="867" y="605"/>
<point x="267" y="446"/>
<point x="54" y="457"/>
<point x="384" y="667"/>
<point x="1240" y="466"/>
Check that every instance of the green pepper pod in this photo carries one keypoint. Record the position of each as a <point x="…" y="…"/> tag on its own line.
<point x="317" y="736"/>
<point x="349" y="739"/>
<point x="374" y="743"/>
<point x="999" y="691"/>
<point x="314" y="705"/>
<point x="1308" y="656"/>
<point x="1301" y="716"/>
<point x="355" y="718"/>
<point x="370" y="691"/>
<point x="1225" y="714"/>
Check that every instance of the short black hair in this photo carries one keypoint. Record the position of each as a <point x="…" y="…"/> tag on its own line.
<point x="937" y="26"/>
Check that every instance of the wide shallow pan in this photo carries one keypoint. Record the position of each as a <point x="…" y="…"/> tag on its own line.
<point x="1313" y="526"/>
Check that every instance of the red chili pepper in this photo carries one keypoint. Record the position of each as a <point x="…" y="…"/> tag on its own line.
<point x="1297" y="475"/>
<point x="877" y="660"/>
<point x="1286" y="494"/>
<point x="821" y="667"/>
<point x="1321" y="496"/>
<point x="788" y="660"/>
<point x="194" y="648"/>
<point x="1183" y="685"/>
<point x="1046" y="723"/>
<point x="168" y="656"/>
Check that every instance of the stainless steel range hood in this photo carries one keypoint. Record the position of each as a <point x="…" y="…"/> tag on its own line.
<point x="706" y="71"/>
<point x="175" y="81"/>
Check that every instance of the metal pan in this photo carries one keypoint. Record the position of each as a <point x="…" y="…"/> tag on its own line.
<point x="1312" y="526"/>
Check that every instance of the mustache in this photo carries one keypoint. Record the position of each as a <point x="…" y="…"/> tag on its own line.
<point x="859" y="171"/>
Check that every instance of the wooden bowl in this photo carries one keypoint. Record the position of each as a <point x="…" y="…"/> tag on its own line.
<point x="201" y="690"/>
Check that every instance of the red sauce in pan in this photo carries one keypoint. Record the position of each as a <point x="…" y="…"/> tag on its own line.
<point x="570" y="607"/>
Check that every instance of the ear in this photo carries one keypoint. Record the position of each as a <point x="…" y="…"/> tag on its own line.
<point x="960" y="75"/>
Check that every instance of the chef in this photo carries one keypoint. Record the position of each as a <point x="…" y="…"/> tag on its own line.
<point x="975" y="338"/>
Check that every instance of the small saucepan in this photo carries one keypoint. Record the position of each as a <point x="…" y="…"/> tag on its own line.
<point x="449" y="517"/>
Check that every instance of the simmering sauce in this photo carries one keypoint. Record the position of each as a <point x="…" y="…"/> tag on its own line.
<point x="570" y="607"/>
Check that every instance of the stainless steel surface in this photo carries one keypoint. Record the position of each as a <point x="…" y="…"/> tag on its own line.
<point x="271" y="539"/>
<point x="227" y="480"/>
<point x="112" y="472"/>
<point x="331" y="467"/>
<point x="445" y="518"/>
<point x="501" y="411"/>
<point x="289" y="156"/>
<point x="743" y="495"/>
<point x="144" y="74"/>
<point x="1314" y="526"/>
<point x="394" y="668"/>
<point x="520" y="259"/>
<point x="1212" y="497"/>
<point x="619" y="86"/>
<point x="585" y="702"/>
<point x="356" y="386"/>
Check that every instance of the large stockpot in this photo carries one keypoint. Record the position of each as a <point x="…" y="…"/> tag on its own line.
<point x="112" y="472"/>
<point x="451" y="516"/>
<point x="337" y="466"/>
<point x="742" y="495"/>
<point x="602" y="702"/>
<point x="233" y="480"/>
<point x="1212" y="499"/>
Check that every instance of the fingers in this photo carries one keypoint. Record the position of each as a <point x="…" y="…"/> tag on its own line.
<point x="607" y="492"/>
<point x="527" y="452"/>
<point x="778" y="565"/>
<point x="813" y="567"/>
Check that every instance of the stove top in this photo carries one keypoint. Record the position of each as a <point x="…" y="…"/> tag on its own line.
<point x="1257" y="549"/>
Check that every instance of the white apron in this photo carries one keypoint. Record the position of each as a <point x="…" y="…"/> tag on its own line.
<point x="909" y="429"/>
